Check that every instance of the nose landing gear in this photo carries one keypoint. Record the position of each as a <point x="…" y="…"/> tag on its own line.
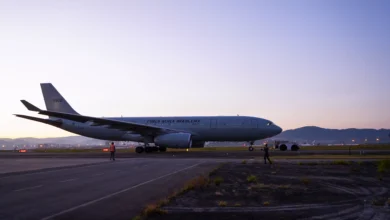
<point x="250" y="148"/>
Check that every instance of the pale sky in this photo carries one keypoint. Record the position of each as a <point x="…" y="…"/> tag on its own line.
<point x="297" y="63"/>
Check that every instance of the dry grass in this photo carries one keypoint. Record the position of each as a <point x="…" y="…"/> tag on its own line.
<point x="341" y="162"/>
<point x="305" y="181"/>
<point x="303" y="148"/>
<point x="218" y="181"/>
<point x="270" y="186"/>
<point x="308" y="163"/>
<point x="383" y="166"/>
<point x="222" y="203"/>
<point x="261" y="186"/>
<point x="251" y="179"/>
<point x="195" y="183"/>
<point x="319" y="156"/>
<point x="287" y="186"/>
<point x="198" y="182"/>
<point x="153" y="209"/>
<point x="137" y="218"/>
<point x="214" y="171"/>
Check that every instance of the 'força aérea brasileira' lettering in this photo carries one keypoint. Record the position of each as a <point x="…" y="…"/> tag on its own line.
<point x="172" y="121"/>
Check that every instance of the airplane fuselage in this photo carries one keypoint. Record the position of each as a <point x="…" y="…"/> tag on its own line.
<point x="203" y="128"/>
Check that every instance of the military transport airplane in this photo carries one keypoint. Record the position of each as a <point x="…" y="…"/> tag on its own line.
<point x="164" y="132"/>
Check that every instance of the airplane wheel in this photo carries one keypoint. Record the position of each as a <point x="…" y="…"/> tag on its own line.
<point x="250" y="148"/>
<point x="162" y="149"/>
<point x="148" y="149"/>
<point x="294" y="148"/>
<point x="283" y="147"/>
<point x="139" y="149"/>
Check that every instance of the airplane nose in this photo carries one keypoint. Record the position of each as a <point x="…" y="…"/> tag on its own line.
<point x="278" y="129"/>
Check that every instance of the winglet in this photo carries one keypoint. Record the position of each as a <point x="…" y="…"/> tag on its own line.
<point x="30" y="106"/>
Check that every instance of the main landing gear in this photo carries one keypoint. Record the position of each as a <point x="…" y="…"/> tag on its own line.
<point x="250" y="148"/>
<point x="148" y="149"/>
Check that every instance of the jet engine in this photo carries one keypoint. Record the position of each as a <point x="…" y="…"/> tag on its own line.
<point x="174" y="140"/>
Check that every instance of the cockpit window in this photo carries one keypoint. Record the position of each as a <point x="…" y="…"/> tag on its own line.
<point x="269" y="123"/>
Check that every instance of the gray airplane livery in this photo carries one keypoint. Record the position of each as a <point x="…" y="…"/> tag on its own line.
<point x="163" y="132"/>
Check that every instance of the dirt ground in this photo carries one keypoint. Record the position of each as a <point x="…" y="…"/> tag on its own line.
<point x="327" y="190"/>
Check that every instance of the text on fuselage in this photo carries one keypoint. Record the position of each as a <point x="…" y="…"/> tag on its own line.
<point x="171" y="121"/>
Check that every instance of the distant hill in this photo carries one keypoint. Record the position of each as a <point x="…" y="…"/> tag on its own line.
<point x="311" y="133"/>
<point x="73" y="140"/>
<point x="303" y="134"/>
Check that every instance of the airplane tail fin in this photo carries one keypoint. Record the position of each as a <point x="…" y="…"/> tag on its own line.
<point x="54" y="100"/>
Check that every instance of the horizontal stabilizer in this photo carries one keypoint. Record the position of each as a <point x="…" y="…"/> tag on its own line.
<point x="43" y="120"/>
<point x="30" y="106"/>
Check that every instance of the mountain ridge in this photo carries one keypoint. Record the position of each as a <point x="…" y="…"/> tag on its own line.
<point x="347" y="135"/>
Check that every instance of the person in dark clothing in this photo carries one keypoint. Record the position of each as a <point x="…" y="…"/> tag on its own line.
<point x="266" y="154"/>
<point x="112" y="151"/>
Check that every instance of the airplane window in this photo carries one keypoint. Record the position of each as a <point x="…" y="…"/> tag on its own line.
<point x="269" y="123"/>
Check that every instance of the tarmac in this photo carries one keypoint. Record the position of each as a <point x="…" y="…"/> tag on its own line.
<point x="24" y="165"/>
<point x="95" y="188"/>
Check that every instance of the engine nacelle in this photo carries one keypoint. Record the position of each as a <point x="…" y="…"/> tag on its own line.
<point x="174" y="140"/>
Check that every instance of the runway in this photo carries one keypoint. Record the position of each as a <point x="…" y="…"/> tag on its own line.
<point x="113" y="190"/>
<point x="190" y="154"/>
<point x="25" y="165"/>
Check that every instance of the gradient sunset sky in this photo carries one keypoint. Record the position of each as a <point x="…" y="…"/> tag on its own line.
<point x="297" y="63"/>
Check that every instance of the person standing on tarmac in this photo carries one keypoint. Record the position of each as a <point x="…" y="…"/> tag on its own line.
<point x="112" y="151"/>
<point x="266" y="154"/>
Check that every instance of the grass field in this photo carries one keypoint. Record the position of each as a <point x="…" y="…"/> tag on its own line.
<point x="355" y="147"/>
<point x="323" y="156"/>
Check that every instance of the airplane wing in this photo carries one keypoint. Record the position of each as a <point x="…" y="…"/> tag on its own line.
<point x="110" y="123"/>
